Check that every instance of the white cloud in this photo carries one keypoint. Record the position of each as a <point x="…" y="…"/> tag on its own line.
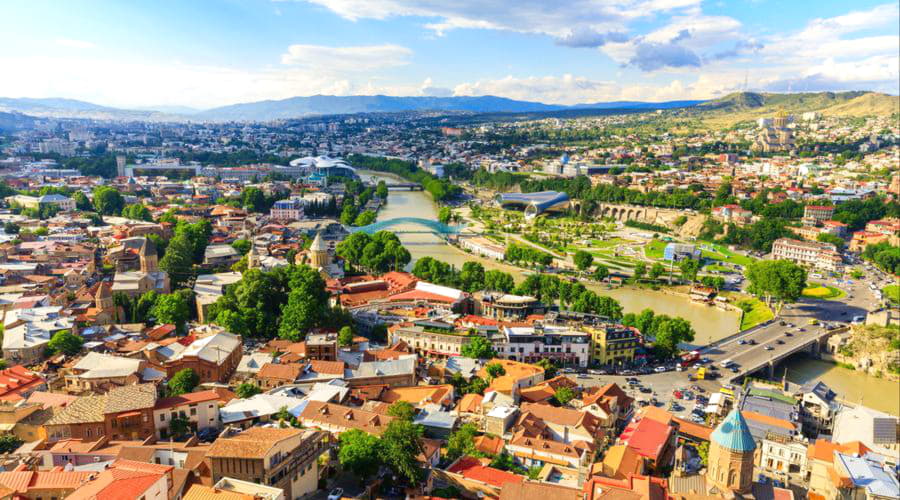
<point x="346" y="59"/>
<point x="524" y="16"/>
<point x="74" y="44"/>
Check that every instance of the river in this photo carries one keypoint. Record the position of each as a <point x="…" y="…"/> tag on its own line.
<point x="710" y="323"/>
<point x="851" y="386"/>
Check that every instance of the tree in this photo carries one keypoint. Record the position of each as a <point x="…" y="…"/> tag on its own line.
<point x="360" y="453"/>
<point x="563" y="395"/>
<point x="247" y="390"/>
<point x="583" y="260"/>
<point x="640" y="269"/>
<point x="476" y="386"/>
<point x="108" y="201"/>
<point x="548" y="366"/>
<point x="137" y="211"/>
<point x="703" y="452"/>
<point x="183" y="382"/>
<point x="834" y="239"/>
<point x="66" y="342"/>
<point x="253" y="199"/>
<point x="495" y="370"/>
<point x="179" y="427"/>
<point x="444" y="215"/>
<point x="498" y="281"/>
<point x="381" y="190"/>
<point x="669" y="333"/>
<point x="689" y="269"/>
<point x="142" y="307"/>
<point x="462" y="442"/>
<point x="472" y="277"/>
<point x="401" y="443"/>
<point x="364" y="218"/>
<point x="9" y="443"/>
<point x="242" y="246"/>
<point x="307" y="303"/>
<point x="589" y="302"/>
<point x="478" y="348"/>
<point x="601" y="272"/>
<point x="171" y="309"/>
<point x="178" y="261"/>
<point x="656" y="271"/>
<point x="781" y="280"/>
<point x="345" y="337"/>
<point x="402" y="410"/>
<point x="81" y="201"/>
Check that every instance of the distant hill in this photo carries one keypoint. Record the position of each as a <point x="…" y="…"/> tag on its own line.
<point x="744" y="106"/>
<point x="329" y="105"/>
<point x="299" y="107"/>
<point x="14" y="121"/>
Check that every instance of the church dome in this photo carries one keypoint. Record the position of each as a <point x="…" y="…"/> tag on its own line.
<point x="734" y="434"/>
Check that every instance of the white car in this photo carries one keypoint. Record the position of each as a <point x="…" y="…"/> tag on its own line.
<point x="660" y="369"/>
<point x="336" y="494"/>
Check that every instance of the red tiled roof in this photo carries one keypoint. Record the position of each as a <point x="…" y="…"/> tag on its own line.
<point x="186" y="399"/>
<point x="471" y="468"/>
<point x="16" y="380"/>
<point x="329" y="367"/>
<point x="647" y="437"/>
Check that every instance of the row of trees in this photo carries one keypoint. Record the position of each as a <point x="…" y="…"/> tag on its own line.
<point x="780" y="281"/>
<point x="527" y="254"/>
<point x="471" y="278"/>
<point x="572" y="295"/>
<point x="885" y="256"/>
<point x="185" y="249"/>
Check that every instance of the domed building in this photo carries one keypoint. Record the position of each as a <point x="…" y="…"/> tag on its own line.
<point x="731" y="450"/>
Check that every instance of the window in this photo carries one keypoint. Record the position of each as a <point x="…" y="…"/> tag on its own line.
<point x="193" y="411"/>
<point x="162" y="417"/>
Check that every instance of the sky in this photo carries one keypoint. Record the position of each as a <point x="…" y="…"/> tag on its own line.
<point x="208" y="53"/>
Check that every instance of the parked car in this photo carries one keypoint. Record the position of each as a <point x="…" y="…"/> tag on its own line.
<point x="660" y="369"/>
<point x="779" y="342"/>
<point x="768" y="348"/>
<point x="336" y="494"/>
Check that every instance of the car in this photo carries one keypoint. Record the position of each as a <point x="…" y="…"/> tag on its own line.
<point x="660" y="369"/>
<point x="742" y="342"/>
<point x="698" y="419"/>
<point x="801" y="329"/>
<point x="735" y="369"/>
<point x="646" y="390"/>
<point x="582" y="375"/>
<point x="768" y="348"/>
<point x="751" y="342"/>
<point x="779" y="342"/>
<point x="788" y="334"/>
<point x="633" y="382"/>
<point x="696" y="388"/>
<point x="678" y="394"/>
<point x="782" y="322"/>
<point x="336" y="494"/>
<point x="568" y="370"/>
<point x="597" y="372"/>
<point x="778" y="483"/>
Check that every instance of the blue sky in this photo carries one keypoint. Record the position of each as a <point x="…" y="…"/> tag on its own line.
<point x="206" y="53"/>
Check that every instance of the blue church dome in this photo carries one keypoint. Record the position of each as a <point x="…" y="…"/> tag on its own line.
<point x="734" y="434"/>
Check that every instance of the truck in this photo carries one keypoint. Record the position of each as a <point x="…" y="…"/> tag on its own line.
<point x="688" y="359"/>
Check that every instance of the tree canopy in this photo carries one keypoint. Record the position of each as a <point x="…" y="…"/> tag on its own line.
<point x="66" y="342"/>
<point x="781" y="280"/>
<point x="478" y="348"/>
<point x="183" y="382"/>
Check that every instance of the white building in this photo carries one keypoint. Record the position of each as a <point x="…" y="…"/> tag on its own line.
<point x="779" y="454"/>
<point x="484" y="247"/>
<point x="808" y="253"/>
<point x="200" y="409"/>
<point x="530" y="344"/>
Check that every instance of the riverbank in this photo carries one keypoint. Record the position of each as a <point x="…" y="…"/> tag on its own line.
<point x="710" y="323"/>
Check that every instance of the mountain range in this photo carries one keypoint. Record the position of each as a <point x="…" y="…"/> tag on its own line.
<point x="729" y="109"/>
<point x="299" y="107"/>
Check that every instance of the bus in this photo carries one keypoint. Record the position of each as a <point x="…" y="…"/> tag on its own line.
<point x="689" y="359"/>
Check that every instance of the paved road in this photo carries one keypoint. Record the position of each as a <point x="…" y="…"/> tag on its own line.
<point x="795" y="316"/>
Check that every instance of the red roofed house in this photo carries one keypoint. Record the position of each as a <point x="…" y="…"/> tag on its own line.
<point x="201" y="409"/>
<point x="651" y="440"/>
<point x="17" y="382"/>
<point x="477" y="479"/>
<point x="126" y="480"/>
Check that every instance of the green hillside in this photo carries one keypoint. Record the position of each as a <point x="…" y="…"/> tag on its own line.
<point x="747" y="106"/>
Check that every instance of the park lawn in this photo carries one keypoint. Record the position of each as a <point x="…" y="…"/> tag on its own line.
<point x="712" y="268"/>
<point x="892" y="293"/>
<point x="759" y="312"/>
<point x="655" y="249"/>
<point x="606" y="243"/>
<point x="823" y="292"/>
<point x="723" y="254"/>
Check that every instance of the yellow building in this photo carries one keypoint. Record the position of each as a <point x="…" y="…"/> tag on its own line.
<point x="613" y="344"/>
<point x="24" y="420"/>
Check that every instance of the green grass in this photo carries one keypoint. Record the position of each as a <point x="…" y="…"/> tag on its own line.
<point x="655" y="249"/>
<point x="723" y="254"/>
<point x="755" y="310"/>
<point x="892" y="293"/>
<point x="712" y="268"/>
<point x="823" y="292"/>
